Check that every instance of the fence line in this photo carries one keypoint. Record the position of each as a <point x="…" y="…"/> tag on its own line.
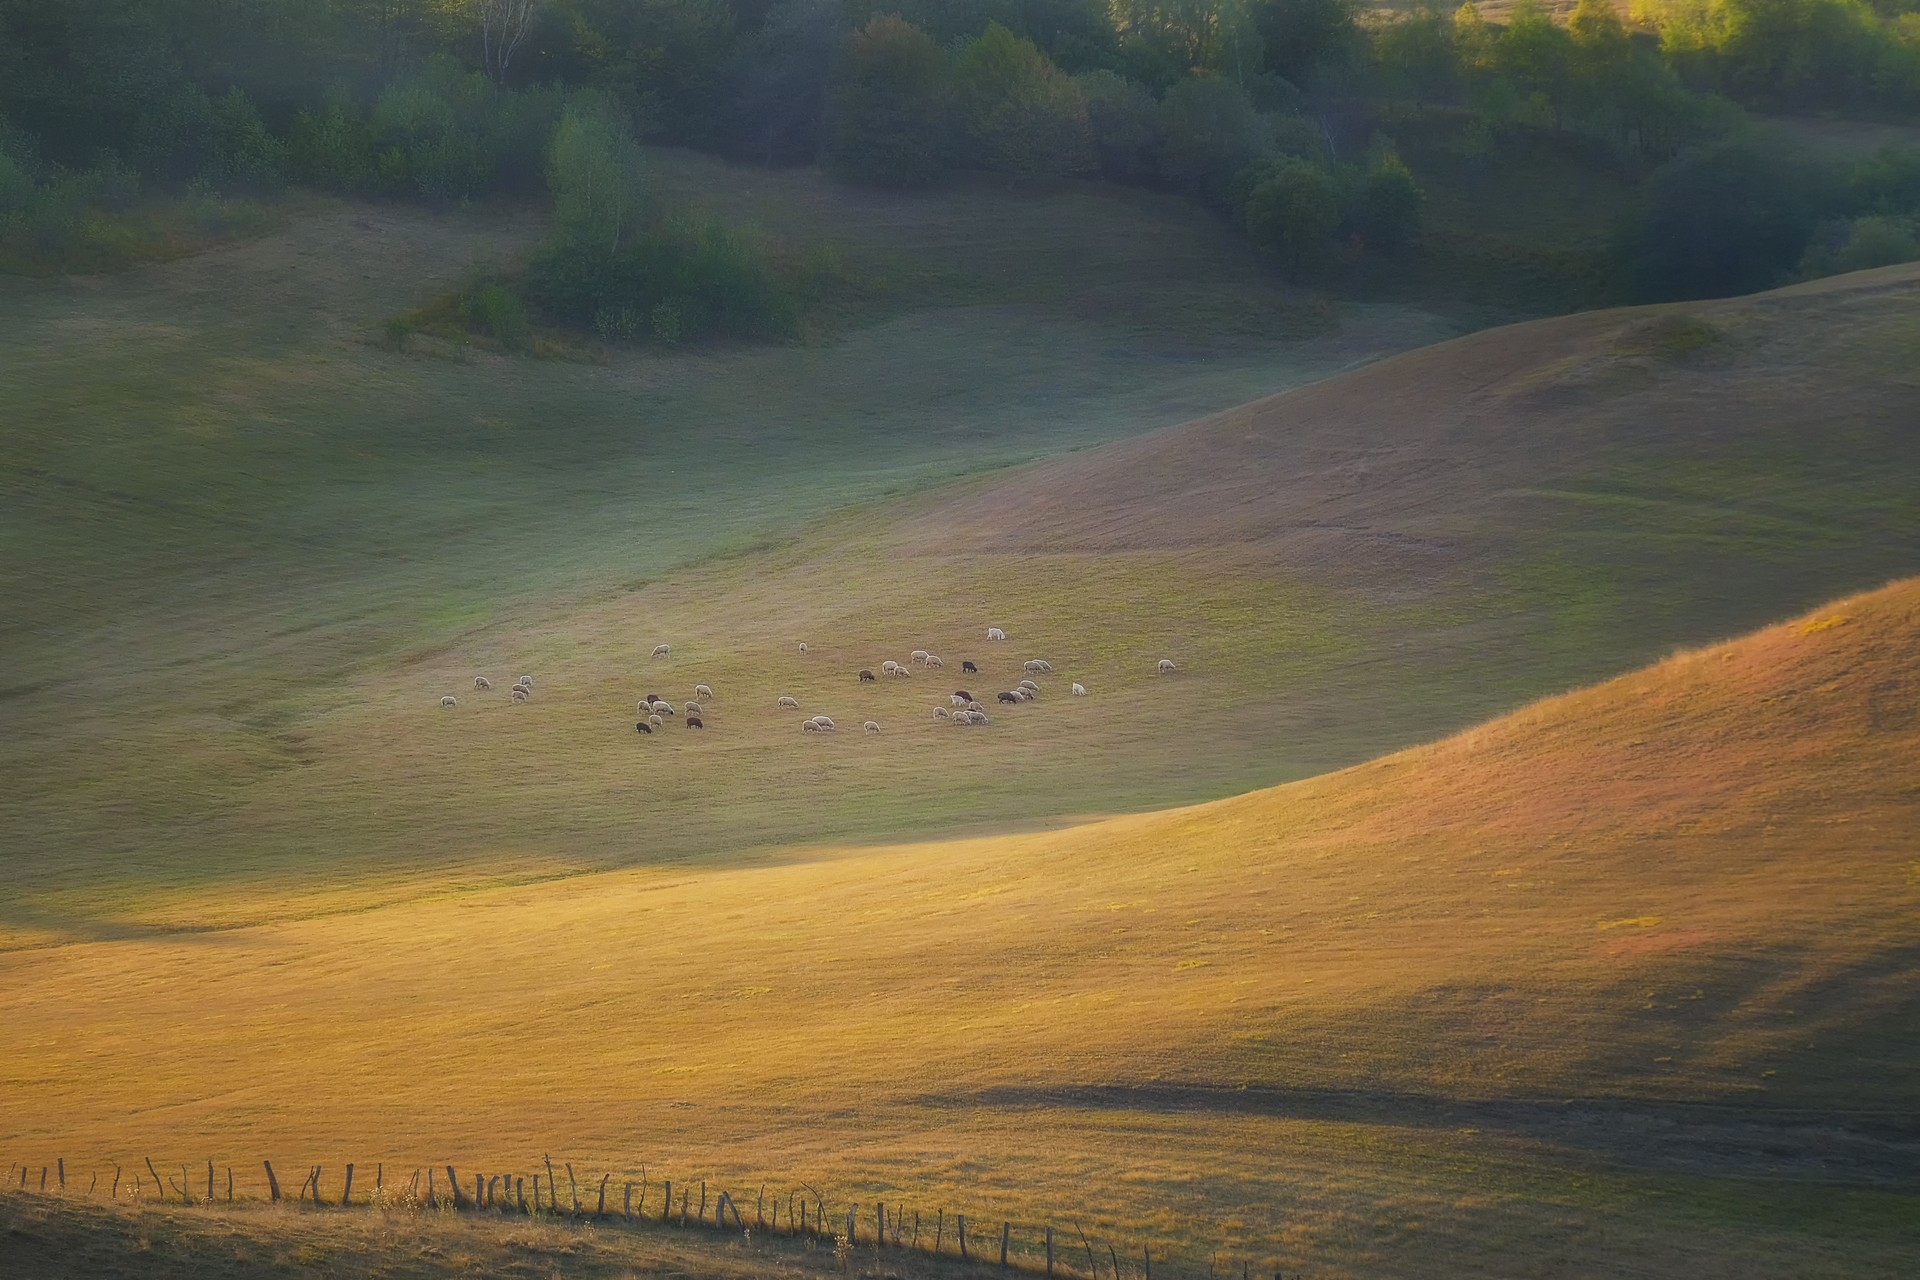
<point x="507" y="1194"/>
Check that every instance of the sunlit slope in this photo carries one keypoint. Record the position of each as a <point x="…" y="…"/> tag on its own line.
<point x="1693" y="884"/>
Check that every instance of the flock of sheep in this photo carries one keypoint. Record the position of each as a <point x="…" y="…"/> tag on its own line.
<point x="962" y="708"/>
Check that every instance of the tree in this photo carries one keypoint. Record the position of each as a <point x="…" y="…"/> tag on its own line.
<point x="1209" y="132"/>
<point x="504" y="27"/>
<point x="1384" y="206"/>
<point x="594" y="168"/>
<point x="1126" y="125"/>
<point x="1293" y="214"/>
<point x="1723" y="220"/>
<point x="1019" y="112"/>
<point x="889" y="111"/>
<point x="1303" y="36"/>
<point x="783" y="73"/>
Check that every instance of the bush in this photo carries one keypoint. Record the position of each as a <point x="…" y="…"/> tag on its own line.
<point x="1861" y="243"/>
<point x="1019" y="112"/>
<point x="1209" y="132"/>
<point x="331" y="149"/>
<point x="1383" y="207"/>
<point x="890" y="108"/>
<point x="1125" y="122"/>
<point x="1723" y="220"/>
<point x="1292" y="212"/>
<point x="594" y="168"/>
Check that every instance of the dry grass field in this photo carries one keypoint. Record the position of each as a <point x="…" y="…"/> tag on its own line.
<point x="1625" y="975"/>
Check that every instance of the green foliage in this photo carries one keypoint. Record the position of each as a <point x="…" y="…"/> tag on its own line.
<point x="1860" y="243"/>
<point x="1017" y="111"/>
<point x="1384" y="204"/>
<point x="1805" y="53"/>
<point x="1125" y="122"/>
<point x="1723" y="220"/>
<point x="1292" y="213"/>
<point x="890" y="109"/>
<point x="1209" y="132"/>
<point x="1302" y="38"/>
<point x="595" y="171"/>
<point x="783" y="73"/>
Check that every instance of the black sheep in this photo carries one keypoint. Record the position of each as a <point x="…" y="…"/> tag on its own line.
<point x="644" y="727"/>
<point x="865" y="676"/>
<point x="962" y="693"/>
<point x="695" y="722"/>
<point x="968" y="666"/>
<point x="1009" y="697"/>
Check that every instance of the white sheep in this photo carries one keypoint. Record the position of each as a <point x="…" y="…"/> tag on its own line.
<point x="1028" y="684"/>
<point x="902" y="671"/>
<point x="1025" y="695"/>
<point x="975" y="706"/>
<point x="918" y="655"/>
<point x="803" y="646"/>
<point x="481" y="682"/>
<point x="888" y="667"/>
<point x="643" y="707"/>
<point x="826" y="723"/>
<point x="977" y="717"/>
<point x="873" y="726"/>
<point x="662" y="650"/>
<point x="694" y="709"/>
<point x="956" y="700"/>
<point x="1166" y="666"/>
<point x="808" y="726"/>
<point x="1079" y="690"/>
<point x="1039" y="666"/>
<point x="995" y="633"/>
<point x="933" y="660"/>
<point x="940" y="713"/>
<point x="449" y="701"/>
<point x="524" y="682"/>
<point x="703" y="692"/>
<point x="521" y="693"/>
<point x="664" y="707"/>
<point x="787" y="704"/>
<point x="656" y="722"/>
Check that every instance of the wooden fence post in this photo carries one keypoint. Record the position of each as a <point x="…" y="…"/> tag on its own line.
<point x="760" y="1209"/>
<point x="702" y="1215"/>
<point x="453" y="1186"/>
<point x="229" y="1184"/>
<point x="1006" y="1238"/>
<point x="115" y="1193"/>
<point x="479" y="1191"/>
<point x="61" y="1161"/>
<point x="346" y="1192"/>
<point x="573" y="1189"/>
<point x="94" y="1185"/>
<point x="1113" y="1256"/>
<point x="379" y="1177"/>
<point x="939" y="1231"/>
<point x="601" y="1212"/>
<point x="850" y="1225"/>
<point x="1049" y="1250"/>
<point x="273" y="1183"/>
<point x="553" y="1205"/>
<point x="666" y="1210"/>
<point x="1146" y="1260"/>
<point x="880" y="1225"/>
<point x="916" y="1231"/>
<point x="209" y="1182"/>
<point x="316" y="1186"/>
<point x="159" y="1187"/>
<point x="686" y="1197"/>
<point x="960" y="1222"/>
<point x="626" y="1203"/>
<point x="43" y="1177"/>
<point x="432" y="1200"/>
<point x="520" y="1192"/>
<point x="1093" y="1268"/>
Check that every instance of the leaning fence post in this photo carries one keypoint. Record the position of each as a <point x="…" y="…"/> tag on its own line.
<point x="115" y="1193"/>
<point x="453" y="1185"/>
<point x="43" y="1177"/>
<point x="666" y="1210"/>
<point x="1113" y="1256"/>
<point x="273" y="1183"/>
<point x="94" y="1185"/>
<point x="760" y="1209"/>
<point x="62" y="1163"/>
<point x="1093" y="1266"/>
<point x="916" y="1230"/>
<point x="1006" y="1238"/>
<point x="1146" y="1260"/>
<point x="346" y="1192"/>
<point x="939" y="1230"/>
<point x="379" y="1177"/>
<point x="553" y="1204"/>
<point x="479" y="1191"/>
<point x="626" y="1203"/>
<point x="1049" y="1250"/>
<point x="960" y="1222"/>
<point x="159" y="1187"/>
<point x="601" y="1212"/>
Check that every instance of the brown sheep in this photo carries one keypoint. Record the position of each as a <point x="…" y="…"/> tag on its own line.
<point x="865" y="676"/>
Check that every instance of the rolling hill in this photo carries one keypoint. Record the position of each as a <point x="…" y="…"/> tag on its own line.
<point x="1373" y="560"/>
<point x="1628" y="974"/>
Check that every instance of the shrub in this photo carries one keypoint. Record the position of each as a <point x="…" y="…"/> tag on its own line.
<point x="1856" y="245"/>
<point x="594" y="168"/>
<point x="1209" y="132"/>
<point x="1125" y="123"/>
<point x="889" y="112"/>
<point x="1384" y="204"/>
<point x="1019" y="112"/>
<point x="1292" y="213"/>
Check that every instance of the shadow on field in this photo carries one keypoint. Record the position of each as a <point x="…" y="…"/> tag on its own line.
<point x="1850" y="1147"/>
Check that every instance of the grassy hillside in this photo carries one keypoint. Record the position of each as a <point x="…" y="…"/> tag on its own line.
<point x="226" y="701"/>
<point x="1626" y="974"/>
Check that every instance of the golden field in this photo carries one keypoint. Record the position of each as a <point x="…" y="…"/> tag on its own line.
<point x="1626" y="972"/>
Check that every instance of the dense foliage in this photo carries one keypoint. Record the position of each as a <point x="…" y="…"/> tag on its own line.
<point x="1317" y="128"/>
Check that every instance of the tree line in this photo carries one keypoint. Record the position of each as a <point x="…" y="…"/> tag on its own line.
<point x="1290" y="117"/>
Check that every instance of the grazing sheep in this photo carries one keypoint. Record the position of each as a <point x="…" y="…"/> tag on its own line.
<point x="790" y="704"/>
<point x="663" y="707"/>
<point x="449" y="701"/>
<point x="865" y="676"/>
<point x="933" y="660"/>
<point x="1028" y="684"/>
<point x="524" y="682"/>
<point x="481" y="682"/>
<point x="966" y="664"/>
<point x="694" y="709"/>
<point x="703" y="692"/>
<point x="808" y="726"/>
<point x="1039" y="666"/>
<point x="963" y="695"/>
<point x="1009" y="697"/>
<point x="873" y="726"/>
<point x="1079" y="690"/>
<point x="903" y="671"/>
<point x="975" y="717"/>
<point x="656" y="722"/>
<point x="1166" y="666"/>
<point x="662" y="650"/>
<point x="695" y="722"/>
<point x="643" y="727"/>
<point x="919" y="655"/>
<point x="958" y="699"/>
<point x="887" y="667"/>
<point x="520" y="693"/>
<point x="803" y="646"/>
<point x="995" y="633"/>
<point x="825" y="722"/>
<point x="643" y="706"/>
<point x="974" y="706"/>
<point x="940" y="713"/>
